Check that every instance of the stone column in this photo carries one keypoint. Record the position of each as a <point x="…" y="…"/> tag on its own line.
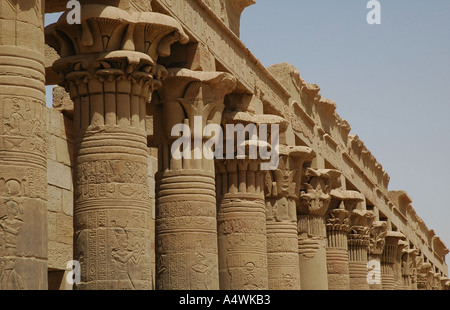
<point x="388" y="259"/>
<point x="186" y="216"/>
<point x="312" y="208"/>
<point x="282" y="190"/>
<point x="241" y="205"/>
<point x="408" y="268"/>
<point x="358" y="243"/>
<point x="377" y="240"/>
<point x="23" y="165"/>
<point x="242" y="225"/>
<point x="108" y="65"/>
<point x="338" y="221"/>
<point x="398" y="266"/>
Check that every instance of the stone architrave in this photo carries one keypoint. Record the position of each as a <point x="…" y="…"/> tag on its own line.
<point x="388" y="259"/>
<point x="338" y="228"/>
<point x="282" y="193"/>
<point x="377" y="241"/>
<point x="358" y="244"/>
<point x="23" y="144"/>
<point x="109" y="66"/>
<point x="312" y="236"/>
<point x="186" y="215"/>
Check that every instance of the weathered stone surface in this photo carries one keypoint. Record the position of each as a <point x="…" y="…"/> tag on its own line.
<point x="112" y="210"/>
<point x="23" y="167"/>
<point x="98" y="167"/>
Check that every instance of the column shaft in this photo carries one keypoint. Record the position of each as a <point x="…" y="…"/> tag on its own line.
<point x="337" y="258"/>
<point x="358" y="265"/>
<point x="23" y="165"/>
<point x="312" y="244"/>
<point x="186" y="231"/>
<point x="242" y="226"/>
<point x="388" y="259"/>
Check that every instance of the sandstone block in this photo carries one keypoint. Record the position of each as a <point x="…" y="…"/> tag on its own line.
<point x="59" y="175"/>
<point x="54" y="199"/>
<point x="67" y="202"/>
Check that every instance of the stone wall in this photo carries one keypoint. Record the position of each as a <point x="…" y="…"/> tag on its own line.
<point x="60" y="196"/>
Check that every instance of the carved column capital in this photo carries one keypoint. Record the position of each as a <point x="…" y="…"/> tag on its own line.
<point x="111" y="43"/>
<point x="338" y="219"/>
<point x="361" y="222"/>
<point x="282" y="185"/>
<point x="315" y="200"/>
<point x="378" y="234"/>
<point x="188" y="94"/>
<point x="391" y="246"/>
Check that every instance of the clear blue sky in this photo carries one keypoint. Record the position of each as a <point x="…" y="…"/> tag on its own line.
<point x="391" y="82"/>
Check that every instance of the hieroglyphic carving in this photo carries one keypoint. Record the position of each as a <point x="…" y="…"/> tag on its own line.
<point x="22" y="124"/>
<point x="111" y="179"/>
<point x="241" y="225"/>
<point x="112" y="249"/>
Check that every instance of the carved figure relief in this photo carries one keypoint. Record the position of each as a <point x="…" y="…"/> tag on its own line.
<point x="10" y="226"/>
<point x="21" y="126"/>
<point x="125" y="252"/>
<point x="201" y="273"/>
